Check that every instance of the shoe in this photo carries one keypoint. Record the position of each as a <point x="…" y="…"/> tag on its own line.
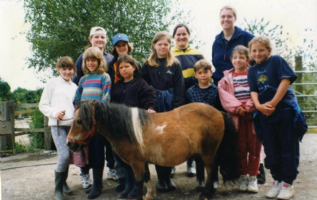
<point x="120" y="185"/>
<point x="216" y="184"/>
<point x="85" y="180"/>
<point x="112" y="174"/>
<point x="253" y="185"/>
<point x="243" y="183"/>
<point x="66" y="189"/>
<point x="261" y="177"/>
<point x="59" y="179"/>
<point x="274" y="190"/>
<point x="286" y="192"/>
<point x="161" y="186"/>
<point x="97" y="185"/>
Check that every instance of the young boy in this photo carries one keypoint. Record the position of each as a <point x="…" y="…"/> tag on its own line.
<point x="204" y="92"/>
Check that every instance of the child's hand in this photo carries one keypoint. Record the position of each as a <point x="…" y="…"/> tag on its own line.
<point x="150" y="110"/>
<point x="241" y="112"/>
<point x="266" y="109"/>
<point x="59" y="115"/>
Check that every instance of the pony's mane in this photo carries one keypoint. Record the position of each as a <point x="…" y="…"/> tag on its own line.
<point x="119" y="120"/>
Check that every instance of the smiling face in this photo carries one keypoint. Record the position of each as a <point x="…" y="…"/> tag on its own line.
<point x="259" y="52"/>
<point x="162" y="47"/>
<point x="239" y="62"/>
<point x="181" y="38"/>
<point x="66" y="73"/>
<point x="98" y="40"/>
<point x="227" y="19"/>
<point x="122" y="48"/>
<point x="92" y="64"/>
<point x="126" y="70"/>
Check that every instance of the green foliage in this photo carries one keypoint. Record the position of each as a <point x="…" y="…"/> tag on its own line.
<point x="19" y="148"/>
<point x="37" y="139"/>
<point x="60" y="28"/>
<point x="21" y="95"/>
<point x="5" y="93"/>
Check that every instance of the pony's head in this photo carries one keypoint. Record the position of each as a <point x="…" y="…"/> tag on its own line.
<point x="83" y="126"/>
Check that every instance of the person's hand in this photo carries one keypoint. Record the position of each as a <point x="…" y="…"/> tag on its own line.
<point x="150" y="110"/>
<point x="59" y="115"/>
<point x="241" y="112"/>
<point x="266" y="109"/>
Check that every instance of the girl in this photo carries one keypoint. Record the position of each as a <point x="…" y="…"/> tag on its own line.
<point x="234" y="92"/>
<point x="278" y="118"/>
<point x="97" y="38"/>
<point x="57" y="103"/>
<point x="132" y="90"/>
<point x="163" y="71"/>
<point x="95" y="85"/>
<point x="224" y="43"/>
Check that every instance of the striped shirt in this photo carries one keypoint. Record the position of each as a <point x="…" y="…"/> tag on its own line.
<point x="241" y="86"/>
<point x="94" y="86"/>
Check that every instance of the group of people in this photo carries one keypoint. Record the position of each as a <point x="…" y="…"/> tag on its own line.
<point x="171" y="77"/>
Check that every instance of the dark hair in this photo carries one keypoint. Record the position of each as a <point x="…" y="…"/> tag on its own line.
<point x="115" y="53"/>
<point x="202" y="64"/>
<point x="180" y="25"/>
<point x="66" y="62"/>
<point x="131" y="61"/>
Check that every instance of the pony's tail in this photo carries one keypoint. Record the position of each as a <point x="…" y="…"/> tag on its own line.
<point x="227" y="152"/>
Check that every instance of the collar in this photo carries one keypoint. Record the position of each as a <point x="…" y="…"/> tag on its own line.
<point x="60" y="79"/>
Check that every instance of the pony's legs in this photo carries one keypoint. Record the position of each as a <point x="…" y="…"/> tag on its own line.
<point x="150" y="192"/>
<point x="209" y="189"/>
<point x="139" y="171"/>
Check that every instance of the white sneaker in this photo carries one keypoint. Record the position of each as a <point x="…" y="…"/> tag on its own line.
<point x="112" y="174"/>
<point x="286" y="192"/>
<point x="243" y="183"/>
<point x="216" y="184"/>
<point x="253" y="184"/>
<point x="274" y="190"/>
<point x="85" y="180"/>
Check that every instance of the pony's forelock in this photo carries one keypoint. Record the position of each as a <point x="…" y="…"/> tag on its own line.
<point x="85" y="112"/>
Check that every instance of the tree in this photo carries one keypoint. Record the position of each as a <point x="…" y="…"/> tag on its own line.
<point x="5" y="93"/>
<point x="61" y="27"/>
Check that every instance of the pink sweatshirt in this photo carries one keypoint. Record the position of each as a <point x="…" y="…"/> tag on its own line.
<point x="229" y="102"/>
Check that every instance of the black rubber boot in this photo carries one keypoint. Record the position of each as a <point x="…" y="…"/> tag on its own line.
<point x="120" y="185"/>
<point x="261" y="177"/>
<point x="161" y="185"/>
<point x="66" y="189"/>
<point x="167" y="179"/>
<point x="97" y="185"/>
<point x="191" y="171"/>
<point x="58" y="194"/>
<point x="129" y="183"/>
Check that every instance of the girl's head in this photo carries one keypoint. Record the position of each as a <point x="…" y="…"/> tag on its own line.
<point x="161" y="48"/>
<point x="121" y="45"/>
<point x="94" y="62"/>
<point x="66" y="68"/>
<point x="260" y="48"/>
<point x="181" y="35"/>
<point x="98" y="37"/>
<point x="228" y="17"/>
<point x="240" y="58"/>
<point x="128" y="68"/>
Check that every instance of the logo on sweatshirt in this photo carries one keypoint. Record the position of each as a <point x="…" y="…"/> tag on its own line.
<point x="262" y="78"/>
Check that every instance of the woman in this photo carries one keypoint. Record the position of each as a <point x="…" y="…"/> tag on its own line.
<point x="230" y="37"/>
<point x="97" y="38"/>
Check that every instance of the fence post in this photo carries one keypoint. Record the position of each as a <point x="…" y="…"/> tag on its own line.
<point x="299" y="88"/>
<point x="7" y="124"/>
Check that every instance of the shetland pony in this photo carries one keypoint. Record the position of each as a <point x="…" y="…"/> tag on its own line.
<point x="165" y="139"/>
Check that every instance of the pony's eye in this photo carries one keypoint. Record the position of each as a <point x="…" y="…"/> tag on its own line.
<point x="79" y="122"/>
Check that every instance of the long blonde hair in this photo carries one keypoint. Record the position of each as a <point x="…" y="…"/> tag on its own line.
<point x="170" y="58"/>
<point x="94" y="52"/>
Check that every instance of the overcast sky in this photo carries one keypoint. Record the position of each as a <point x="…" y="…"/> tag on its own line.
<point x="294" y="15"/>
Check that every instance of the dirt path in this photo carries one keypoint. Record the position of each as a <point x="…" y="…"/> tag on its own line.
<point x="30" y="178"/>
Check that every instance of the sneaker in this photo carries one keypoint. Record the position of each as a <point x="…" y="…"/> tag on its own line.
<point x="286" y="192"/>
<point x="243" y="183"/>
<point x="85" y="180"/>
<point x="274" y="190"/>
<point x="112" y="174"/>
<point x="253" y="184"/>
<point x="216" y="184"/>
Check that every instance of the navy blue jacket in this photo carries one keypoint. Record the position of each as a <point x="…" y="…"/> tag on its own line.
<point x="221" y="55"/>
<point x="108" y="57"/>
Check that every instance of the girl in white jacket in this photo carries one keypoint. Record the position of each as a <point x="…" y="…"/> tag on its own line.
<point x="57" y="103"/>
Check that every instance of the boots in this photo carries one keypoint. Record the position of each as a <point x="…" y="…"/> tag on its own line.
<point x="191" y="171"/>
<point x="130" y="190"/>
<point x="97" y="185"/>
<point x="261" y="176"/>
<point x="59" y="179"/>
<point x="120" y="185"/>
<point x="66" y="189"/>
<point x="167" y="178"/>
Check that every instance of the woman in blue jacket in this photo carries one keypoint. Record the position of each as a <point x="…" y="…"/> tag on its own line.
<point x="226" y="41"/>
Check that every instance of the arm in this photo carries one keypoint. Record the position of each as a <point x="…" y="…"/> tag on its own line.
<point x="106" y="88"/>
<point x="179" y="86"/>
<point x="148" y="97"/>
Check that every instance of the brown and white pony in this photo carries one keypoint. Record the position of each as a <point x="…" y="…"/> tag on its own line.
<point x="165" y="139"/>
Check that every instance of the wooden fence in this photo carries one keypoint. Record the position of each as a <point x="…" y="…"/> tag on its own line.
<point x="8" y="132"/>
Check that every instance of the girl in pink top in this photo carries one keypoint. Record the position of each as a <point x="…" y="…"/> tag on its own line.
<point x="234" y="93"/>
